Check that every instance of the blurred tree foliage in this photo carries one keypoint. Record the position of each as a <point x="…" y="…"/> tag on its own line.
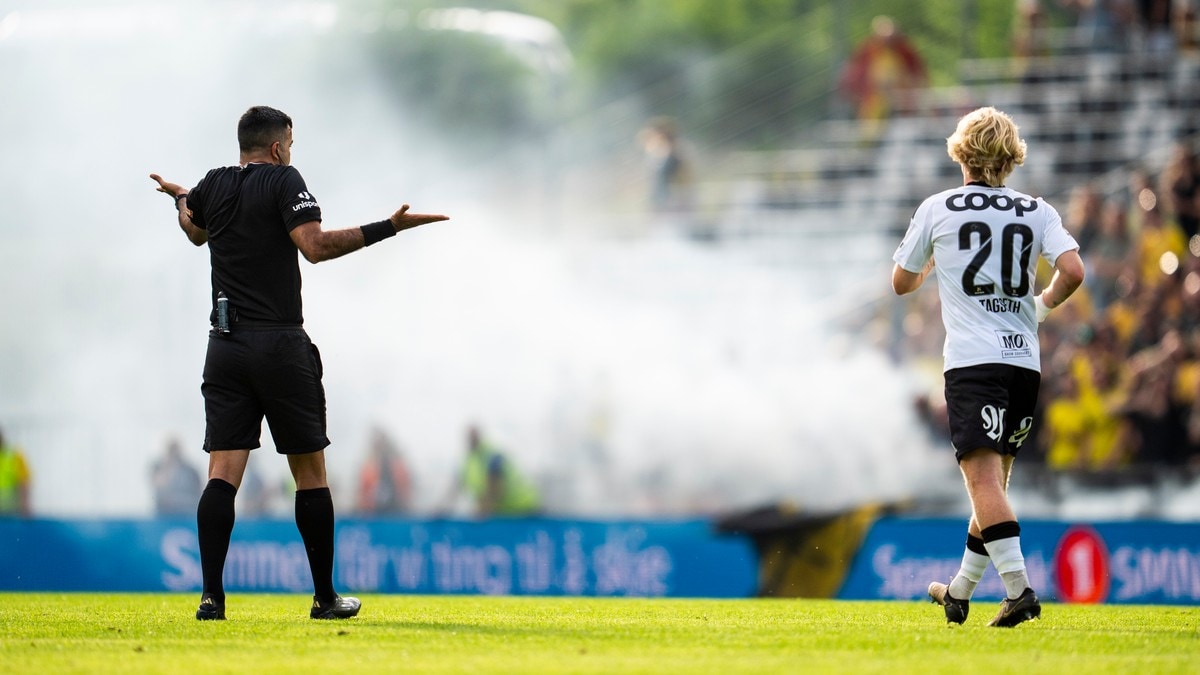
<point x="464" y="81"/>
<point x="735" y="72"/>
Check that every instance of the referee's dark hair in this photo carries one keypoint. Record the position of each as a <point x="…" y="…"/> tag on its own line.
<point x="261" y="126"/>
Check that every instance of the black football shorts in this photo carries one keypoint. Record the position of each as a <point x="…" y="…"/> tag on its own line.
<point x="274" y="373"/>
<point x="991" y="406"/>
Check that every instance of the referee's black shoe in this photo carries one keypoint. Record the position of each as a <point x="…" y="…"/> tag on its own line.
<point x="956" y="610"/>
<point x="210" y="609"/>
<point x="339" y="608"/>
<point x="1021" y="609"/>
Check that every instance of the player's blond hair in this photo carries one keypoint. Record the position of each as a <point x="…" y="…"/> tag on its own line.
<point x="988" y="144"/>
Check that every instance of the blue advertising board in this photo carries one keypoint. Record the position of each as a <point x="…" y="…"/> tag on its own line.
<point x="510" y="557"/>
<point x="1141" y="562"/>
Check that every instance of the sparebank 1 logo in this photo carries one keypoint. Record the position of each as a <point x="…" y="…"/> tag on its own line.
<point x="1081" y="566"/>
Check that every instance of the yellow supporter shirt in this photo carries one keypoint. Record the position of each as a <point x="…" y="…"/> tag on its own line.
<point x="1153" y="244"/>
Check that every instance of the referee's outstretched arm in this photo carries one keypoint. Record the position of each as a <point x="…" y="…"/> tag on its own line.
<point x="317" y="245"/>
<point x="196" y="235"/>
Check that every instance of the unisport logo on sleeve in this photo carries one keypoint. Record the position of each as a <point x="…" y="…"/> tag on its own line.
<point x="307" y="201"/>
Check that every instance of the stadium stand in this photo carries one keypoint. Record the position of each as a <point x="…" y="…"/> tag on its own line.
<point x="1100" y="120"/>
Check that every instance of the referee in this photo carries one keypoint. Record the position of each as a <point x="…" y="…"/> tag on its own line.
<point x="260" y="362"/>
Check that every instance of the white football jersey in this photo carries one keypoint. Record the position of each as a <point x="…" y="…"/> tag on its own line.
<point x="985" y="242"/>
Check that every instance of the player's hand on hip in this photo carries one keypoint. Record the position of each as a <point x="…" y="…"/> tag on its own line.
<point x="1040" y="308"/>
<point x="403" y="220"/>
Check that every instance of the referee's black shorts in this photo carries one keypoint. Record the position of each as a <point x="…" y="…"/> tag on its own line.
<point x="255" y="373"/>
<point x="991" y="406"/>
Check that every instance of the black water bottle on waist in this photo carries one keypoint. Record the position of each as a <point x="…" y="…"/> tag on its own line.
<point x="222" y="314"/>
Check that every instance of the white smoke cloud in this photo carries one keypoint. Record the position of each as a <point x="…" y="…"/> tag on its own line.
<point x="626" y="375"/>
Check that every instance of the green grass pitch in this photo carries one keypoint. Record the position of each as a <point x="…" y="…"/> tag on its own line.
<point x="95" y="633"/>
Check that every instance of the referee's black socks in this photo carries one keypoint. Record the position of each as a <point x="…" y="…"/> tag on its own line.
<point x="314" y="519"/>
<point x="214" y="523"/>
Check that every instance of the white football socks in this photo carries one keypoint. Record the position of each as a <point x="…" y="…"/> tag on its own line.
<point x="1010" y="563"/>
<point x="962" y="587"/>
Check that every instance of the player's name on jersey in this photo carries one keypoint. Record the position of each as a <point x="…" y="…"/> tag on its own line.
<point x="1000" y="305"/>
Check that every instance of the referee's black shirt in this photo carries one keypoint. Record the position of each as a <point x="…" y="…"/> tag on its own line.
<point x="248" y="213"/>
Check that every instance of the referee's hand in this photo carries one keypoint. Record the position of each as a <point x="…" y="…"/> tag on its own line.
<point x="167" y="188"/>
<point x="403" y="220"/>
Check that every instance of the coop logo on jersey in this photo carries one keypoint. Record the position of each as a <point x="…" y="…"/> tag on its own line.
<point x="1014" y="345"/>
<point x="981" y="201"/>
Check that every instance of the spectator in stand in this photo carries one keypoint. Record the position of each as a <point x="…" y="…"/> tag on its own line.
<point x="883" y="77"/>
<point x="1153" y="407"/>
<point x="1066" y="427"/>
<point x="1029" y="41"/>
<point x="1082" y="218"/>
<point x="1029" y="24"/>
<point x="14" y="481"/>
<point x="255" y="497"/>
<point x="1154" y="27"/>
<point x="1160" y="248"/>
<point x="1188" y="375"/>
<point x="1122" y="316"/>
<point x="1102" y="388"/>
<point x="1180" y="187"/>
<point x="1088" y="405"/>
<point x="177" y="483"/>
<point x="492" y="480"/>
<point x="1101" y="25"/>
<point x="1183" y="22"/>
<point x="1189" y="327"/>
<point x="1141" y="196"/>
<point x="669" y="166"/>
<point x="384" y="483"/>
<point x="1152" y="315"/>
<point x="1192" y="422"/>
<point x="1109" y="256"/>
<point x="1189" y="300"/>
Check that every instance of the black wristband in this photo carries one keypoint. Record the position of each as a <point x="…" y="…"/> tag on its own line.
<point x="373" y="232"/>
<point x="179" y="196"/>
